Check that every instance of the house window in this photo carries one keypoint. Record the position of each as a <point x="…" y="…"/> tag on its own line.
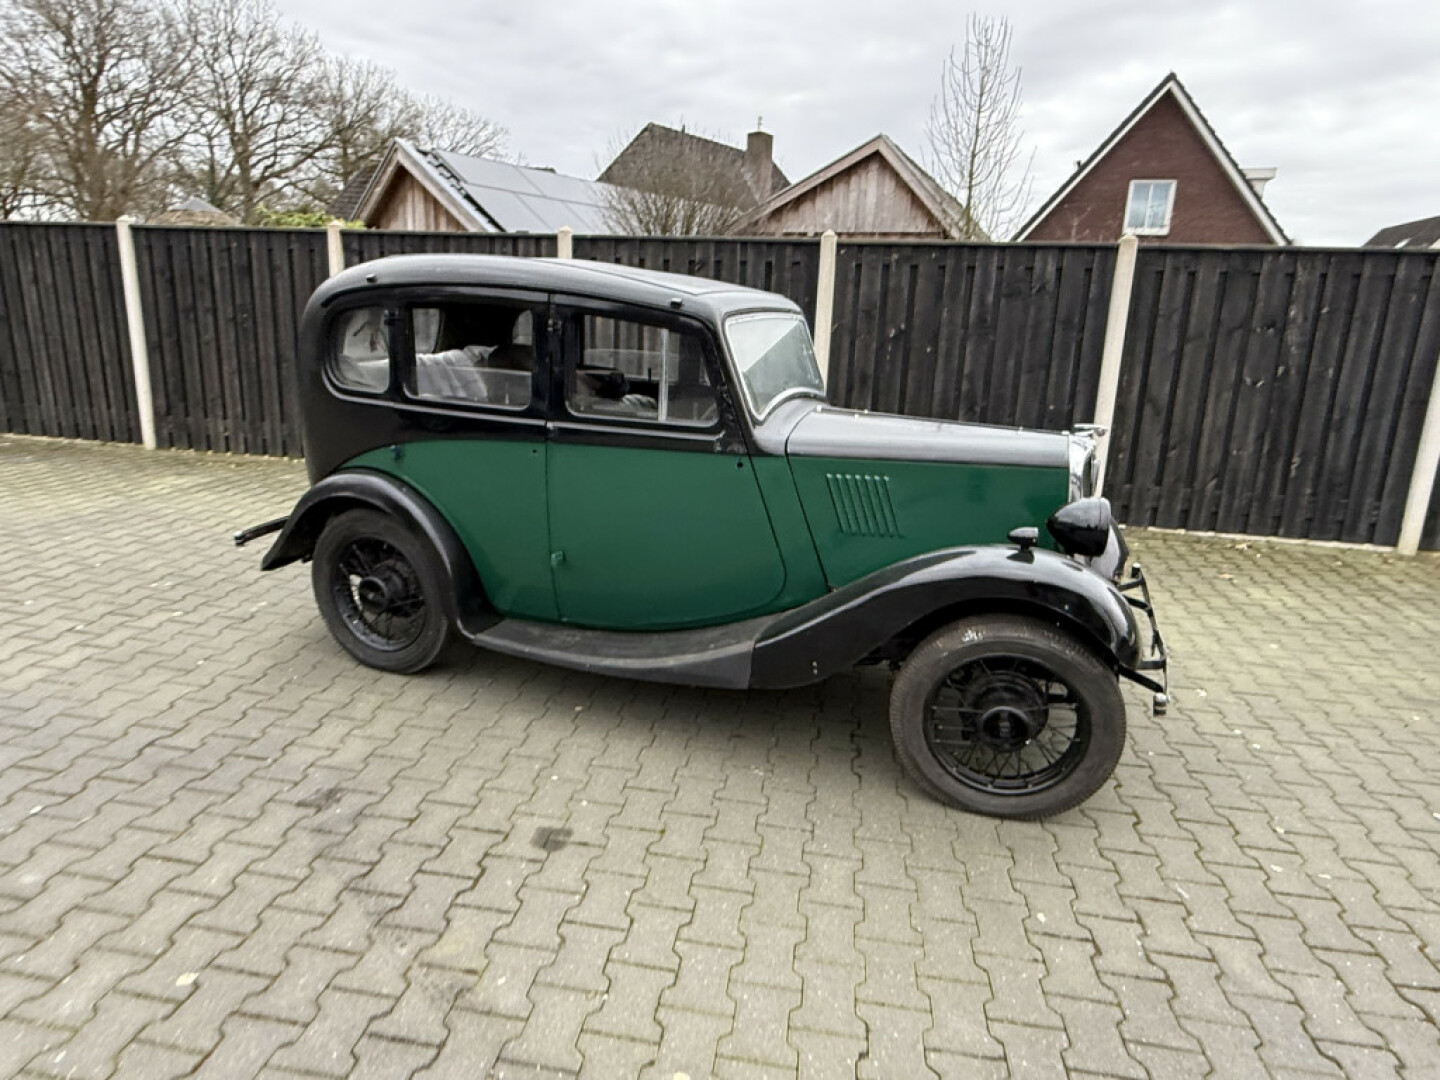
<point x="1147" y="213"/>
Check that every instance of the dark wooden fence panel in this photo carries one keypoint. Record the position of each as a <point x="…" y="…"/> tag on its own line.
<point x="363" y="245"/>
<point x="1263" y="391"/>
<point x="994" y="333"/>
<point x="64" y="352"/>
<point x="1274" y="392"/>
<point x="222" y="308"/>
<point x="788" y="267"/>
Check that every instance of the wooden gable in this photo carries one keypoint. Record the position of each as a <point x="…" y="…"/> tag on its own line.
<point x="870" y="198"/>
<point x="408" y="204"/>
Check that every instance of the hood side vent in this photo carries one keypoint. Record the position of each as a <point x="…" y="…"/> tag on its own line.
<point x="862" y="504"/>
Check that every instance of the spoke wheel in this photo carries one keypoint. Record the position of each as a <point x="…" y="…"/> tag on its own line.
<point x="379" y="589"/>
<point x="1006" y="724"/>
<point x="1007" y="716"/>
<point x="378" y="594"/>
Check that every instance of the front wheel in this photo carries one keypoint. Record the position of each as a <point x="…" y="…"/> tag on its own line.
<point x="1007" y="716"/>
<point x="379" y="588"/>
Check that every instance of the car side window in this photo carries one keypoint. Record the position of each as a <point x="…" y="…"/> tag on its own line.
<point x="472" y="354"/>
<point x="634" y="371"/>
<point x="360" y="350"/>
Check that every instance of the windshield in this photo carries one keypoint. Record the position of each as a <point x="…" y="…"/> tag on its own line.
<point x="774" y="356"/>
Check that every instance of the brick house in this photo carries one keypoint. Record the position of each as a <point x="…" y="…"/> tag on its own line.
<point x="1164" y="175"/>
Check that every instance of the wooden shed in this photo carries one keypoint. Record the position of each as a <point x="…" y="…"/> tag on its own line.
<point x="875" y="191"/>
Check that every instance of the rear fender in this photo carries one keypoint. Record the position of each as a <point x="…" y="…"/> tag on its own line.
<point x="464" y="599"/>
<point x="922" y="593"/>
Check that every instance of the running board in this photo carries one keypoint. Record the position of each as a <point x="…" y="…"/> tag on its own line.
<point x="718" y="656"/>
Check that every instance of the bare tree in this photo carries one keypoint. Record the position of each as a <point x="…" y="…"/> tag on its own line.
<point x="438" y="124"/>
<point x="22" y="160"/>
<point x="667" y="183"/>
<point x="92" y="86"/>
<point x="974" y="132"/>
<point x="362" y="105"/>
<point x="365" y="108"/>
<point x="254" y="121"/>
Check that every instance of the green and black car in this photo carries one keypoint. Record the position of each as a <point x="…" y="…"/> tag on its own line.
<point x="637" y="474"/>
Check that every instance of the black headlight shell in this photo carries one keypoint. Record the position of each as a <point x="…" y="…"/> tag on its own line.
<point x="1082" y="527"/>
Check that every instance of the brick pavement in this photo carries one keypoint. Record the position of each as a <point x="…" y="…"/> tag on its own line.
<point x="226" y="850"/>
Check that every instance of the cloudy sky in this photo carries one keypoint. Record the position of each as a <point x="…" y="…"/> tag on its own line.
<point x="1342" y="97"/>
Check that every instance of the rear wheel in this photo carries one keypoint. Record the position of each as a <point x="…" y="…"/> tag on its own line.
<point x="1007" y="716"/>
<point x="379" y="588"/>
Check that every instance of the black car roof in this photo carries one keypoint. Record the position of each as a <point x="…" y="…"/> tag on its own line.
<point x="610" y="281"/>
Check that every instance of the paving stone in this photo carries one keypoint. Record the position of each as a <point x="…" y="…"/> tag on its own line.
<point x="325" y="1045"/>
<point x="244" y="838"/>
<point x="1093" y="1032"/>
<point x="758" y="1035"/>
<point x="823" y="1056"/>
<point x="1029" y="1051"/>
<point x="629" y="1008"/>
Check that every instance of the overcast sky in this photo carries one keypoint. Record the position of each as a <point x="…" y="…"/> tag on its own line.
<point x="1343" y="98"/>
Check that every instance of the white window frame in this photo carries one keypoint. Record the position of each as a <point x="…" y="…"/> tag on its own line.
<point x="1164" y="228"/>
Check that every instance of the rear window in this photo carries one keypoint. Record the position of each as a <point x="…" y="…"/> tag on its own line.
<point x="360" y="351"/>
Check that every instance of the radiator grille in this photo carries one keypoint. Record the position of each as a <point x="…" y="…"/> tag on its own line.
<point x="862" y="504"/>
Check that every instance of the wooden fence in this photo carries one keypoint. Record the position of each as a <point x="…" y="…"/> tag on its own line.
<point x="1263" y="391"/>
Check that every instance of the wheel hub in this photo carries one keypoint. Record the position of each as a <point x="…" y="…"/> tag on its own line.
<point x="1012" y="710"/>
<point x="1007" y="728"/>
<point x="378" y="591"/>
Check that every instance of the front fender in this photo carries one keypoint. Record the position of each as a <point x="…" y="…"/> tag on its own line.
<point x="832" y="634"/>
<point x="338" y="492"/>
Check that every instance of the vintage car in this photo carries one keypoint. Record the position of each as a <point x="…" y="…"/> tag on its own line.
<point x="637" y="474"/>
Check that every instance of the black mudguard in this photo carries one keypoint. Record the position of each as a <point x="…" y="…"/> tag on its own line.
<point x="465" y="599"/>
<point x="833" y="633"/>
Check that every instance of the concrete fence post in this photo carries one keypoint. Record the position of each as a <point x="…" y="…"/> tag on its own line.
<point x="1422" y="479"/>
<point x="565" y="243"/>
<point x="135" y="321"/>
<point x="1113" y="350"/>
<point x="334" y="246"/>
<point x="825" y="302"/>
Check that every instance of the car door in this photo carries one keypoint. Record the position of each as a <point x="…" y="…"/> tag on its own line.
<point x="475" y="387"/>
<point x="656" y="517"/>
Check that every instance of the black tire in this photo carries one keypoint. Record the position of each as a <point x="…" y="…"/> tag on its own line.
<point x="1007" y="716"/>
<point x="380" y="589"/>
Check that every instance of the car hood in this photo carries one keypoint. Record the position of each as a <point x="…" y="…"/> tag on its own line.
<point x="848" y="433"/>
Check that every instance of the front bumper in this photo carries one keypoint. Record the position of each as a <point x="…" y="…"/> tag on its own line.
<point x="1149" y="671"/>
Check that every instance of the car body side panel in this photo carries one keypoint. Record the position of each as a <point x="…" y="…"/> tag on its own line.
<point x="804" y="576"/>
<point x="649" y="539"/>
<point x="493" y="493"/>
<point x="866" y="514"/>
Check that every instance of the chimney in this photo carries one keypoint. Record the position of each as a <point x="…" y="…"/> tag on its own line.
<point x="759" y="146"/>
<point x="1258" y="178"/>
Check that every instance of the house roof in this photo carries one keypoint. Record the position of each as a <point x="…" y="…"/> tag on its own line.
<point x="1424" y="233"/>
<point x="492" y="196"/>
<point x="722" y="163"/>
<point x="945" y="208"/>
<point x="1172" y="86"/>
<point x="345" y="204"/>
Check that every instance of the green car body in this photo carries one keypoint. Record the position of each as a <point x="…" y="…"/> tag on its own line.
<point x="638" y="474"/>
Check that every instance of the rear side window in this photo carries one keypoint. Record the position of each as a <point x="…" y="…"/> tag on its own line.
<point x="360" y="351"/>
<point x="473" y="354"/>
